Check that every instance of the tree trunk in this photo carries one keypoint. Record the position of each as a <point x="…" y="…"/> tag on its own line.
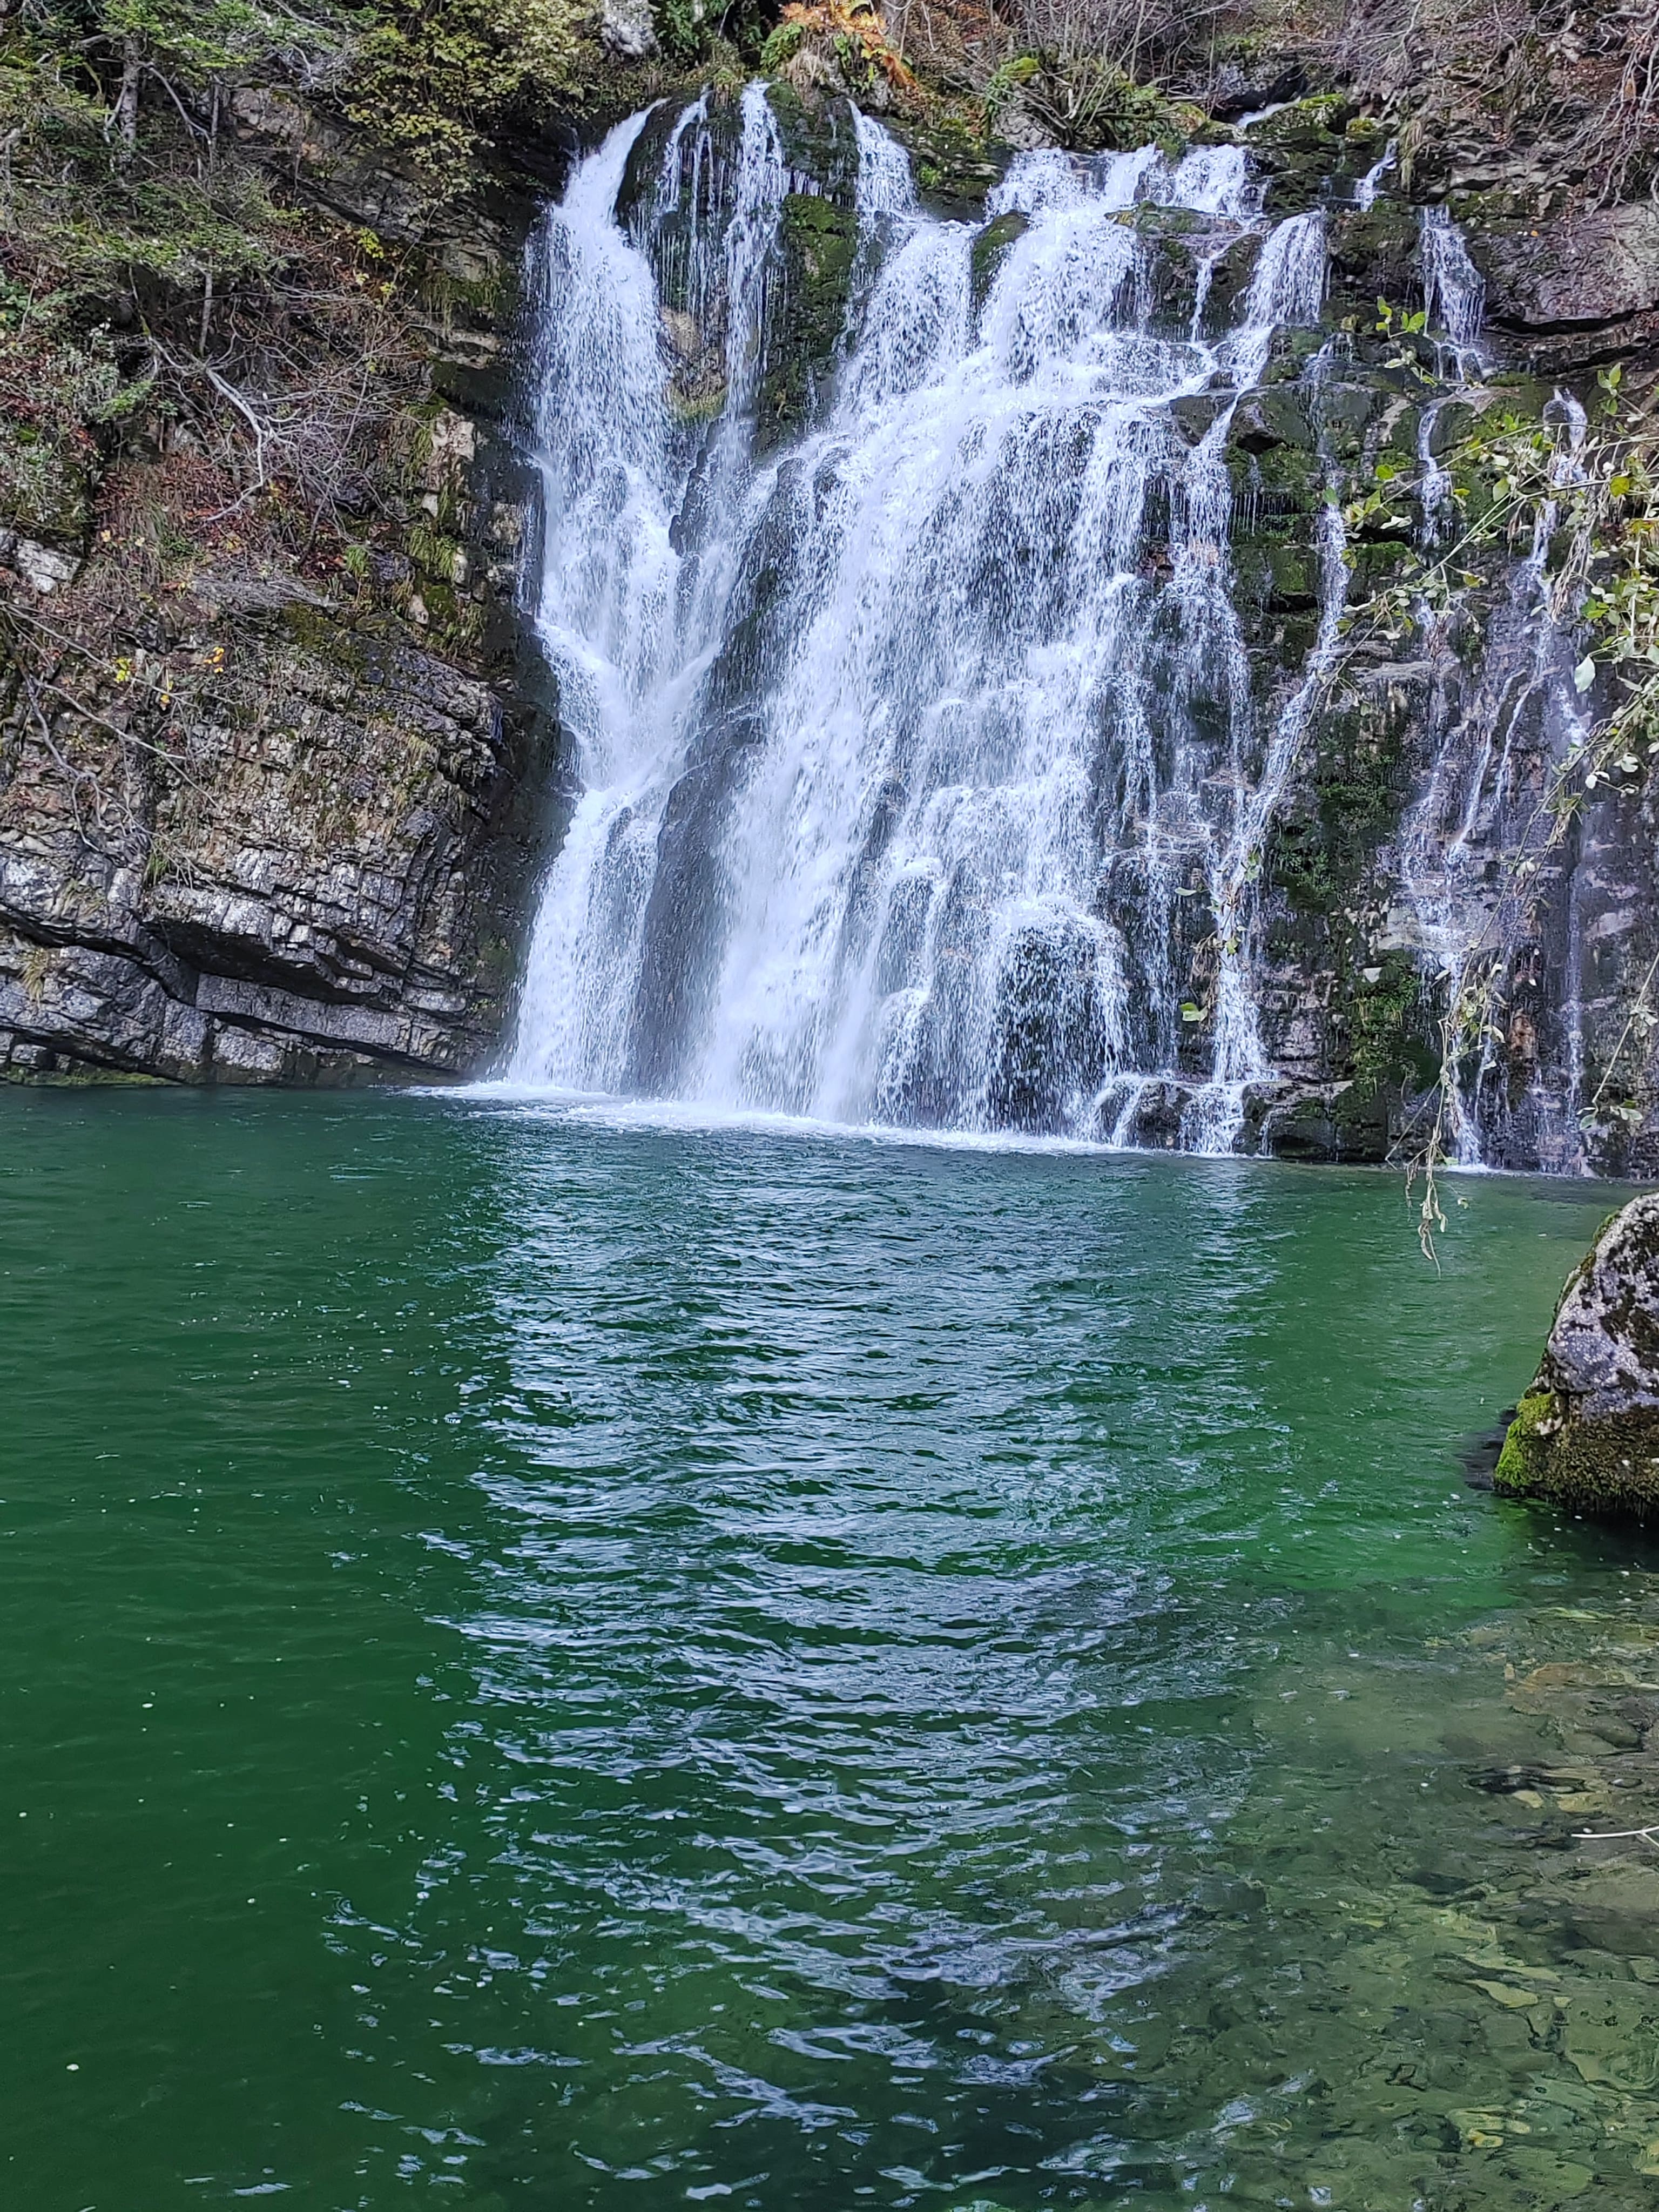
<point x="126" y="102"/>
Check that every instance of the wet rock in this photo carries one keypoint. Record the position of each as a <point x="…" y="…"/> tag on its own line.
<point x="1245" y="85"/>
<point x="1195" y="414"/>
<point x="1591" y="266"/>
<point x="1222" y="1897"/>
<point x="1445" y="1875"/>
<point x="990" y="247"/>
<point x="1266" y="420"/>
<point x="819" y="240"/>
<point x="1373" y="252"/>
<point x="1586" y="1433"/>
<point x="1603" y="1908"/>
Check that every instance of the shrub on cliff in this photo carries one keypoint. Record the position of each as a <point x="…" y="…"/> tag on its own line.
<point x="430" y="75"/>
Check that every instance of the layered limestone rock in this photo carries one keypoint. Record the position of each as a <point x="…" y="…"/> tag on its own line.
<point x="1586" y="1434"/>
<point x="293" y="835"/>
<point x="325" y="880"/>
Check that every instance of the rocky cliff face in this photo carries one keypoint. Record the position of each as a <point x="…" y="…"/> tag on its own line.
<point x="323" y="879"/>
<point x="290" y="830"/>
<point x="1393" y="869"/>
<point x="263" y="820"/>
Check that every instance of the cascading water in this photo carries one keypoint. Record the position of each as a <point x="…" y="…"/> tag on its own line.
<point x="924" y="776"/>
<point x="1454" y="293"/>
<point x="1471" y="912"/>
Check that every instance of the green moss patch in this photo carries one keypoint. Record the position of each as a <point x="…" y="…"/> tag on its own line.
<point x="820" y="244"/>
<point x="1607" y="1466"/>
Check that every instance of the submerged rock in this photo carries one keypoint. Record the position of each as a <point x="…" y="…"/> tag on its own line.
<point x="1586" y="1434"/>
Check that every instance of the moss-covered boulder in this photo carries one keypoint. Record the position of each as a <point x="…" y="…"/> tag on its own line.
<point x="1586" y="1434"/>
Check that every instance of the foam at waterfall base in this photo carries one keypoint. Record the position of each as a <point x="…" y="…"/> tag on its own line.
<point x="609" y="1110"/>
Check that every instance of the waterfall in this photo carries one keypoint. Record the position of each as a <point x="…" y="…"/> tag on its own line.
<point x="1469" y="913"/>
<point x="924" y="771"/>
<point x="1453" y="292"/>
<point x="1365" y="191"/>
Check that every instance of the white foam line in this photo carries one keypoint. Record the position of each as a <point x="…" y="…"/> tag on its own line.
<point x="547" y="1103"/>
<point x="602" y="1110"/>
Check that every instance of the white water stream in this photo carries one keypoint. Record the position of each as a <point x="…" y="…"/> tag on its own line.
<point x="923" y="779"/>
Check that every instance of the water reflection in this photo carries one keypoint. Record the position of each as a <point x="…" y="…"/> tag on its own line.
<point x="969" y="1688"/>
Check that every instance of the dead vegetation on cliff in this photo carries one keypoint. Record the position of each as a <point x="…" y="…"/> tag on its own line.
<point x="216" y="394"/>
<point x="1576" y="85"/>
<point x="1475" y="87"/>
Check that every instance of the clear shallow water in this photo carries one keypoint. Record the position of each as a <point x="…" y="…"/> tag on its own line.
<point x="550" y="1661"/>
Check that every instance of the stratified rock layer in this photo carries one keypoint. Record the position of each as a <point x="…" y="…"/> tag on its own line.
<point x="293" y="835"/>
<point x="1586" y="1434"/>
<point x="325" y="887"/>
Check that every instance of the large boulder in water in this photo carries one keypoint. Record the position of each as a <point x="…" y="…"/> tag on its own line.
<point x="1586" y="1434"/>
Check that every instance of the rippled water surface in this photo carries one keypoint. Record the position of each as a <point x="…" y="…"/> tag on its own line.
<point x="549" y="1661"/>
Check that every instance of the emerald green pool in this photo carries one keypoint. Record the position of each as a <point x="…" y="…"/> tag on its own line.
<point x="553" y="1660"/>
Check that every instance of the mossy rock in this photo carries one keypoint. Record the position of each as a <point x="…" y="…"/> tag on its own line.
<point x="62" y="1072"/>
<point x="820" y="242"/>
<point x="1291" y="354"/>
<point x="954" y="168"/>
<point x="1301" y="149"/>
<point x="1181" y="244"/>
<point x="1303" y="1131"/>
<point x="1293" y="577"/>
<point x="1453" y="421"/>
<point x="1267" y="420"/>
<point x="638" y="188"/>
<point x="1153" y="219"/>
<point x="1374" y="255"/>
<point x="1345" y="413"/>
<point x="1194" y="414"/>
<point x="1276" y="493"/>
<point x="1391" y="1042"/>
<point x="1586" y="1434"/>
<point x="1317" y="124"/>
<point x="1605" y="1466"/>
<point x="990" y="249"/>
<point x="1353" y="785"/>
<point x="1376" y="562"/>
<point x="819" y="141"/>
